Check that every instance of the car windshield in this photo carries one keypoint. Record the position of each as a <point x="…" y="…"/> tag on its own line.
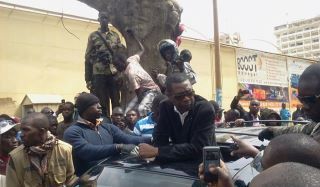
<point x="122" y="174"/>
<point x="114" y="177"/>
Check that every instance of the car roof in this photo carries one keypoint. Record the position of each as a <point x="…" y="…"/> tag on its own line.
<point x="249" y="134"/>
<point x="187" y="169"/>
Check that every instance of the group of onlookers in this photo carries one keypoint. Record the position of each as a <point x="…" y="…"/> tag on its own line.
<point x="165" y="120"/>
<point x="257" y="116"/>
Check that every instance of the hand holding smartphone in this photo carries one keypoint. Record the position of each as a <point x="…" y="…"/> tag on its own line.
<point x="211" y="156"/>
<point x="244" y="92"/>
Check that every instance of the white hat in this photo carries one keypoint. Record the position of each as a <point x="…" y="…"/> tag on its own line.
<point x="6" y="125"/>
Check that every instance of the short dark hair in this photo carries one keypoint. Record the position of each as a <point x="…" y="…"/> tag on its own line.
<point x="134" y="110"/>
<point x="186" y="55"/>
<point x="292" y="148"/>
<point x="288" y="174"/>
<point x="39" y="120"/>
<point x="254" y="100"/>
<point x="174" y="79"/>
<point x="311" y="72"/>
<point x="69" y="103"/>
<point x="157" y="100"/>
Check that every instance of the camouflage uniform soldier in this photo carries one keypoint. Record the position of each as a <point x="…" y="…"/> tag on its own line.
<point x="309" y="96"/>
<point x="100" y="74"/>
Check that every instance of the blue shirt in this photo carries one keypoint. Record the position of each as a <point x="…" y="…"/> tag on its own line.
<point x="145" y="126"/>
<point x="285" y="114"/>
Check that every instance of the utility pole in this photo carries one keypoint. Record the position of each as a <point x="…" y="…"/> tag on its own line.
<point x="217" y="54"/>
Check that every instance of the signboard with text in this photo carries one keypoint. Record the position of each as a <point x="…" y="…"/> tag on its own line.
<point x="264" y="75"/>
<point x="295" y="68"/>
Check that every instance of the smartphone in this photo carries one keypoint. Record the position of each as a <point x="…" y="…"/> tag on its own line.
<point x="245" y="91"/>
<point x="211" y="156"/>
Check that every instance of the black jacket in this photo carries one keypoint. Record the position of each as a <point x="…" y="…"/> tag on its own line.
<point x="187" y="140"/>
<point x="247" y="116"/>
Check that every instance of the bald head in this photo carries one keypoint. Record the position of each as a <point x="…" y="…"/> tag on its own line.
<point x="292" y="148"/>
<point x="312" y="71"/>
<point x="288" y="174"/>
<point x="309" y="91"/>
<point x="37" y="120"/>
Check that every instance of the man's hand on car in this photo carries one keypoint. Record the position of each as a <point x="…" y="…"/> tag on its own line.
<point x="243" y="149"/>
<point x="224" y="178"/>
<point x="266" y="134"/>
<point x="127" y="148"/>
<point x="239" y="122"/>
<point x="147" y="151"/>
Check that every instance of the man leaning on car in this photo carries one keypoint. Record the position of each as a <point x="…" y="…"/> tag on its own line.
<point x="185" y="124"/>
<point x="92" y="140"/>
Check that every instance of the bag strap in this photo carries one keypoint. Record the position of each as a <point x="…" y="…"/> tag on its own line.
<point x="104" y="41"/>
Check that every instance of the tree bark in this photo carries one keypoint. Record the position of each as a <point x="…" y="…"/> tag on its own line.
<point x="150" y="20"/>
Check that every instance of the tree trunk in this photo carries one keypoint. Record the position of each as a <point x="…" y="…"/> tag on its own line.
<point x="150" y="20"/>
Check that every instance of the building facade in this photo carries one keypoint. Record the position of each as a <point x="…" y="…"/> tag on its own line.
<point x="40" y="59"/>
<point x="300" y="38"/>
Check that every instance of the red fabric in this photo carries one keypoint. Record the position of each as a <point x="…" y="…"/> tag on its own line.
<point x="3" y="164"/>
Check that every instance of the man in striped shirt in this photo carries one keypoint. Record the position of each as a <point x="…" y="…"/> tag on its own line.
<point x="145" y="126"/>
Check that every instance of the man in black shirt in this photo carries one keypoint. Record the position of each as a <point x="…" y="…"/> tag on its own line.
<point x="185" y="125"/>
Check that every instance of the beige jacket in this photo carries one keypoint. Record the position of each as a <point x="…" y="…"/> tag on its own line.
<point x="60" y="169"/>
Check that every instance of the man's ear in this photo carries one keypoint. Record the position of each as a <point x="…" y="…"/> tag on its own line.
<point x="43" y="130"/>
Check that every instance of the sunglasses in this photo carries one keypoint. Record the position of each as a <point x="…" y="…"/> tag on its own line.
<point x="308" y="99"/>
<point x="182" y="95"/>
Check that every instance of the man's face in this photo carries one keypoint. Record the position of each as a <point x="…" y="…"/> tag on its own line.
<point x="53" y="128"/>
<point x="67" y="111"/>
<point x="168" y="54"/>
<point x="8" y="141"/>
<point x="103" y="21"/>
<point x="132" y="117"/>
<point x="30" y="135"/>
<point x="308" y="96"/>
<point x="94" y="111"/>
<point x="182" y="95"/>
<point x="117" y="118"/>
<point x="254" y="107"/>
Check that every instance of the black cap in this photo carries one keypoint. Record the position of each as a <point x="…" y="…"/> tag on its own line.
<point x="84" y="101"/>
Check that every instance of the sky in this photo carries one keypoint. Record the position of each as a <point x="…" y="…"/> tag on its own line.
<point x="253" y="19"/>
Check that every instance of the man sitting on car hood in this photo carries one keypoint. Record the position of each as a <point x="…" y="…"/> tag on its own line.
<point x="185" y="124"/>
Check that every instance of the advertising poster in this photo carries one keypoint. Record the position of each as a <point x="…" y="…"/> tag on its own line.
<point x="296" y="67"/>
<point x="264" y="75"/>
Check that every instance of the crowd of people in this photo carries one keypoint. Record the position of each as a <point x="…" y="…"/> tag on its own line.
<point x="165" y="120"/>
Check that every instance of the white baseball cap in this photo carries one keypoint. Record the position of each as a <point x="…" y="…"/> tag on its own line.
<point x="6" y="125"/>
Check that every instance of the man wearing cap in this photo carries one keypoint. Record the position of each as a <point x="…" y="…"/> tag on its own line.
<point x="93" y="141"/>
<point x="42" y="160"/>
<point x="100" y="74"/>
<point x="8" y="140"/>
